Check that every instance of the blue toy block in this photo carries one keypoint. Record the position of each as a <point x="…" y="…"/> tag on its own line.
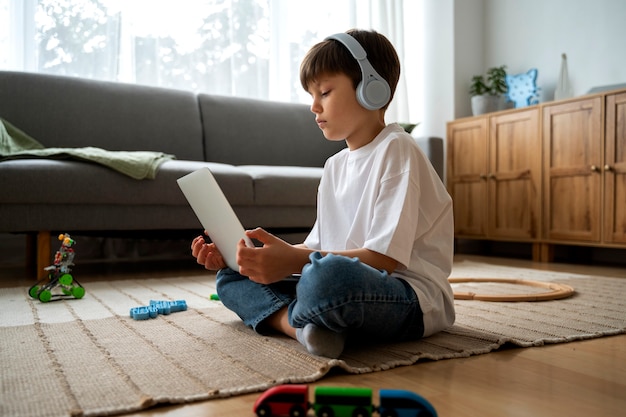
<point x="163" y="307"/>
<point x="178" y="305"/>
<point x="157" y="307"/>
<point x="143" y="312"/>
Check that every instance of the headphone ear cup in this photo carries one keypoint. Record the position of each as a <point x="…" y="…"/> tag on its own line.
<point x="373" y="94"/>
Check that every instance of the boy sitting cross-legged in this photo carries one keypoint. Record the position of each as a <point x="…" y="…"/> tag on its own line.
<point x="376" y="262"/>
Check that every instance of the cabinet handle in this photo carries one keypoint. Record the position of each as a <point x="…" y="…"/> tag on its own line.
<point x="492" y="176"/>
<point x="608" y="167"/>
<point x="595" y="168"/>
<point x="483" y="176"/>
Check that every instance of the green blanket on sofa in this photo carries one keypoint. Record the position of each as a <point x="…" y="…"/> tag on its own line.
<point x="15" y="144"/>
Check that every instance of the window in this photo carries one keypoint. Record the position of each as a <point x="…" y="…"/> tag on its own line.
<point x="247" y="48"/>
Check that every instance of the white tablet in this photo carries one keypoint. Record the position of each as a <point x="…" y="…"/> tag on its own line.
<point x="215" y="213"/>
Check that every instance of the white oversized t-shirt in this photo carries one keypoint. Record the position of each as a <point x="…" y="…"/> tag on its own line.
<point x="387" y="197"/>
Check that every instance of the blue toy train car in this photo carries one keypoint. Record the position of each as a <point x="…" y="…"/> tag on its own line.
<point x="401" y="403"/>
<point x="293" y="401"/>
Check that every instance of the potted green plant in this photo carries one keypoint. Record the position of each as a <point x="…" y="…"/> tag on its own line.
<point x="488" y="95"/>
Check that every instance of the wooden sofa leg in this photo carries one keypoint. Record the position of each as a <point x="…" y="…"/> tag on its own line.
<point x="38" y="253"/>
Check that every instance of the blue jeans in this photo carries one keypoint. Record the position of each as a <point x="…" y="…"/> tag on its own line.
<point x="335" y="292"/>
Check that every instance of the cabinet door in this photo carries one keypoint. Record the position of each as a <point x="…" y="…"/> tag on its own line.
<point x="514" y="175"/>
<point x="467" y="173"/>
<point x="572" y="135"/>
<point x="615" y="170"/>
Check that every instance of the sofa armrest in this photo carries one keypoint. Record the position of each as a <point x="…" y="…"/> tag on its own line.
<point x="433" y="148"/>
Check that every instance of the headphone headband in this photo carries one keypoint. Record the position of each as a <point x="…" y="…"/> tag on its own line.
<point x="351" y="44"/>
<point x="373" y="91"/>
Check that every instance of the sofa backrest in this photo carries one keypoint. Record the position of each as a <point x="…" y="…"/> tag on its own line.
<point x="243" y="131"/>
<point x="71" y="112"/>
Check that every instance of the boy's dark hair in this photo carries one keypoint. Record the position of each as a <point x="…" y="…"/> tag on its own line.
<point x="331" y="57"/>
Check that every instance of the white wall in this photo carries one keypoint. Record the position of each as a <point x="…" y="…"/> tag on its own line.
<point x="524" y="34"/>
<point x="465" y="37"/>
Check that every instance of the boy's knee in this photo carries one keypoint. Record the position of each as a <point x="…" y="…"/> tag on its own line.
<point x="330" y="264"/>
<point x="227" y="278"/>
<point x="322" y="277"/>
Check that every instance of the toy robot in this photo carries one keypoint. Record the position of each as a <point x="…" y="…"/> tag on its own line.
<point x="59" y="283"/>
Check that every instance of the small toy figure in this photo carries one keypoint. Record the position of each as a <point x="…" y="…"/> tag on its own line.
<point x="59" y="276"/>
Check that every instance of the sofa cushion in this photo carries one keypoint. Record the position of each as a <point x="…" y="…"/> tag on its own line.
<point x="73" y="182"/>
<point x="284" y="186"/>
<point x="243" y="131"/>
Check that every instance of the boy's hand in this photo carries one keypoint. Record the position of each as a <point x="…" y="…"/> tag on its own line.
<point x="207" y="254"/>
<point x="269" y="263"/>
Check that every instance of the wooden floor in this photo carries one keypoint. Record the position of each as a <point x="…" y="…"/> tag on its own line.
<point x="586" y="378"/>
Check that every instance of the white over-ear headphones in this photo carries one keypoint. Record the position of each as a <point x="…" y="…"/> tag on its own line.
<point x="373" y="91"/>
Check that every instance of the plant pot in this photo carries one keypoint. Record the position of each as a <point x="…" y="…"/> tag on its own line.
<point x="487" y="104"/>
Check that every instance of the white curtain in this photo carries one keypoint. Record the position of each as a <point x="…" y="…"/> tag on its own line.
<point x="248" y="48"/>
<point x="387" y="17"/>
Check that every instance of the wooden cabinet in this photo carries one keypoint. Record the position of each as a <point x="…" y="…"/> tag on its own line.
<point x="514" y="177"/>
<point x="467" y="171"/>
<point x="585" y="170"/>
<point x="615" y="170"/>
<point x="493" y="175"/>
<point x="548" y="174"/>
<point x="572" y="138"/>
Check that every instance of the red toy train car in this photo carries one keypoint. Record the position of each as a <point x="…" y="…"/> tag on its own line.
<point x="293" y="401"/>
<point x="283" y="400"/>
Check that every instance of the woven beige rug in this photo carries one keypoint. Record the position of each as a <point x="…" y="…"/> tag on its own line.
<point x="88" y="357"/>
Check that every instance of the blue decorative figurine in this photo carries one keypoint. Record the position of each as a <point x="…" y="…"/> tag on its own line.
<point x="522" y="88"/>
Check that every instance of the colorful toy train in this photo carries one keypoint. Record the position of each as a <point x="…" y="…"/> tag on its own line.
<point x="293" y="401"/>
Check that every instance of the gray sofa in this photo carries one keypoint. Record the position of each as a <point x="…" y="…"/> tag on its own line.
<point x="267" y="157"/>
